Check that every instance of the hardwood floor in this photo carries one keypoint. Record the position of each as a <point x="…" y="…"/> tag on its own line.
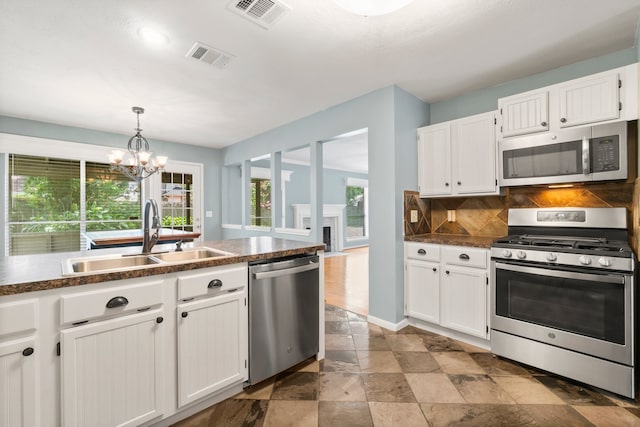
<point x="346" y="280"/>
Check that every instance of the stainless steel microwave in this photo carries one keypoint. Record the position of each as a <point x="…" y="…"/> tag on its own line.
<point x="595" y="153"/>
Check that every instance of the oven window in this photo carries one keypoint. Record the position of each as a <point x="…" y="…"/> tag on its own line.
<point x="593" y="309"/>
<point x="547" y="160"/>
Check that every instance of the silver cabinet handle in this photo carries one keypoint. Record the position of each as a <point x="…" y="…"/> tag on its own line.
<point x="422" y="252"/>
<point x="464" y="257"/>
<point x="117" y="302"/>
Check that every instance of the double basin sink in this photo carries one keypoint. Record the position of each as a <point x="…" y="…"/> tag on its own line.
<point x="118" y="262"/>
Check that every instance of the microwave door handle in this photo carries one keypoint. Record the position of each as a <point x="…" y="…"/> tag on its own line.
<point x="586" y="164"/>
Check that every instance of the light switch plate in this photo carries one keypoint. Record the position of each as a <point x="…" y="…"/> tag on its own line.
<point x="209" y="214"/>
<point x="414" y="215"/>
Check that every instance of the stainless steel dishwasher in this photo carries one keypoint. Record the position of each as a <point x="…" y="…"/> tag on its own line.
<point x="283" y="314"/>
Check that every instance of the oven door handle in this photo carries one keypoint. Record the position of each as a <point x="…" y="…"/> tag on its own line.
<point x="606" y="278"/>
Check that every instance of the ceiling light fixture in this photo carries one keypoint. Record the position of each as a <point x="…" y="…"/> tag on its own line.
<point x="140" y="164"/>
<point x="152" y="36"/>
<point x="372" y="7"/>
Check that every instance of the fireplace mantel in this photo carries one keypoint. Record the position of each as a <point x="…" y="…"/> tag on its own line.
<point x="332" y="216"/>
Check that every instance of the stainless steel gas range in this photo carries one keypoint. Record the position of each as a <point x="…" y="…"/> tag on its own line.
<point x="563" y="295"/>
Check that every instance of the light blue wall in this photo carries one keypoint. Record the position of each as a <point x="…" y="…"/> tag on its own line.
<point x="391" y="116"/>
<point x="485" y="100"/>
<point x="211" y="158"/>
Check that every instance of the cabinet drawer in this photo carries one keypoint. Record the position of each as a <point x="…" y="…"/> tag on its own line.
<point x="464" y="256"/>
<point x="18" y="317"/>
<point x="212" y="280"/>
<point x="423" y="251"/>
<point x="123" y="299"/>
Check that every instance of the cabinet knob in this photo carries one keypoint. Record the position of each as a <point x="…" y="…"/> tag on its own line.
<point x="563" y="120"/>
<point x="159" y="319"/>
<point x="117" y="302"/>
<point x="447" y="271"/>
<point x="459" y="183"/>
<point x="215" y="283"/>
<point x="435" y="269"/>
<point x="422" y="252"/>
<point x="27" y="351"/>
<point x="184" y="314"/>
<point x="446" y="184"/>
<point x="543" y="124"/>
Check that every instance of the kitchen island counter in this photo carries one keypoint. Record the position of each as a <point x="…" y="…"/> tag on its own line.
<point x="29" y="273"/>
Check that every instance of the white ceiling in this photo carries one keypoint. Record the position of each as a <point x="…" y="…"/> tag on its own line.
<point x="81" y="62"/>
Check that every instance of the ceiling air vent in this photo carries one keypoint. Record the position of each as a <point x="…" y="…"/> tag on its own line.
<point x="209" y="55"/>
<point x="263" y="12"/>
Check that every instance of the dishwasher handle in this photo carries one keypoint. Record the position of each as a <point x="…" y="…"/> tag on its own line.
<point x="285" y="271"/>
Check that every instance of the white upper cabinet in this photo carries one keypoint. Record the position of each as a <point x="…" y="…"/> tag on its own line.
<point x="458" y="157"/>
<point x="590" y="100"/>
<point x="525" y="113"/>
<point x="603" y="97"/>
<point x="434" y="160"/>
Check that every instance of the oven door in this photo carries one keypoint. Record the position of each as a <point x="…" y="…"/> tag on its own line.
<point x="591" y="313"/>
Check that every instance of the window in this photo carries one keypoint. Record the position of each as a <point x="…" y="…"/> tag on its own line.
<point x="357" y="209"/>
<point x="48" y="211"/>
<point x="177" y="201"/>
<point x="261" y="202"/>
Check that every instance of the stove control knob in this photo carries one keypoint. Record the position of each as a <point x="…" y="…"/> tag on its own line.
<point x="551" y="257"/>
<point x="584" y="260"/>
<point x="506" y="253"/>
<point x="521" y="254"/>
<point x="605" y="262"/>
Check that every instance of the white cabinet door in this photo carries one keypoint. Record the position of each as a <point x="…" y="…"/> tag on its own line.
<point x="589" y="100"/>
<point x="525" y="113"/>
<point x="463" y="300"/>
<point x="422" y="300"/>
<point x="474" y="154"/>
<point x="212" y="345"/>
<point x="112" y="371"/>
<point x="18" y="392"/>
<point x="434" y="160"/>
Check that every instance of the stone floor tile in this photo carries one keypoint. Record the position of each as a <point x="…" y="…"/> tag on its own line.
<point x="355" y="317"/>
<point x="480" y="389"/>
<point x="495" y="365"/>
<point x="449" y="414"/>
<point x="337" y="328"/>
<point x="340" y="361"/>
<point x="287" y="413"/>
<point x="438" y="343"/>
<point x="417" y="362"/>
<point x="436" y="388"/>
<point x="199" y="419"/>
<point x="387" y="414"/>
<point x="378" y="361"/>
<point x="309" y="365"/>
<point x="457" y="362"/>
<point x="403" y="331"/>
<point x="555" y="416"/>
<point x="573" y="393"/>
<point x="260" y="391"/>
<point x="371" y="342"/>
<point x="351" y="414"/>
<point x="296" y="386"/>
<point x="387" y="388"/>
<point x="334" y="317"/>
<point x="338" y="342"/>
<point x="341" y="387"/>
<point x="608" y="416"/>
<point x="527" y="390"/>
<point x="233" y="412"/>
<point x="408" y="342"/>
<point x="364" y="328"/>
<point x="469" y="348"/>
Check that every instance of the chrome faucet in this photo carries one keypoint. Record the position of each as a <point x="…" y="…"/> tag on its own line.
<point x="150" y="239"/>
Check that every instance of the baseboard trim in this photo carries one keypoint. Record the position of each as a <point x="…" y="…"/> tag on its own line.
<point x="386" y="324"/>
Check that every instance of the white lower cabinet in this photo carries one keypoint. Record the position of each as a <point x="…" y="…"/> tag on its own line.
<point x="18" y="406"/>
<point x="112" y="371"/>
<point x="447" y="286"/>
<point x="212" y="345"/>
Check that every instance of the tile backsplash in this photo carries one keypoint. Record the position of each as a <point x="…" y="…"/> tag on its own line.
<point x="487" y="216"/>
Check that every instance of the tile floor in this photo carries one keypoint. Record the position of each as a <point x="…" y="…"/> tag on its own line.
<point x="375" y="377"/>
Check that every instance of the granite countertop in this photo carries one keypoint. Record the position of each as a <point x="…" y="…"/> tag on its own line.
<point x="452" y="239"/>
<point x="29" y="273"/>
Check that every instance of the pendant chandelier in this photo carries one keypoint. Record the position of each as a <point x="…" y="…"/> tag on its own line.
<point x="140" y="164"/>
